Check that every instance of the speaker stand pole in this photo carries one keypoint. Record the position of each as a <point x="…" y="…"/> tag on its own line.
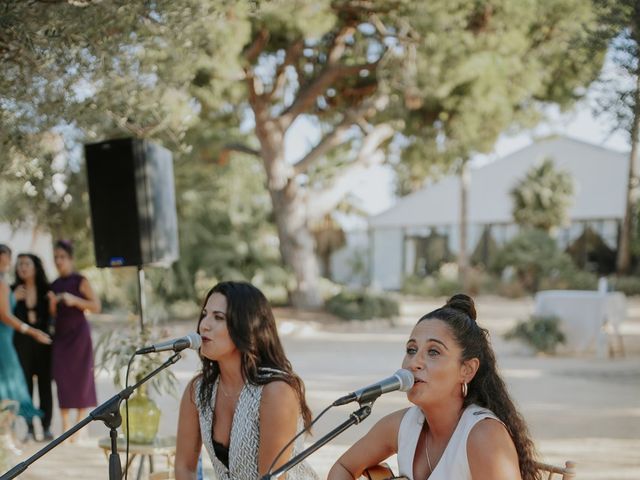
<point x="141" y="296"/>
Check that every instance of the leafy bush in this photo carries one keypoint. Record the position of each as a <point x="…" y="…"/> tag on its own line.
<point x="362" y="305"/>
<point x="534" y="255"/>
<point x="440" y="285"/>
<point x="571" y="279"/>
<point x="626" y="285"/>
<point x="512" y="289"/>
<point x="540" y="332"/>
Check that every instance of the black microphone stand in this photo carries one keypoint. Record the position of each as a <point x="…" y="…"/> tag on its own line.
<point x="109" y="413"/>
<point x="355" y="418"/>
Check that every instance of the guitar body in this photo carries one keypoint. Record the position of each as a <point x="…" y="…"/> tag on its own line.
<point x="380" y="472"/>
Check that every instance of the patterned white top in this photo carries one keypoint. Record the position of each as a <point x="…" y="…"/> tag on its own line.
<point x="453" y="464"/>
<point x="245" y="437"/>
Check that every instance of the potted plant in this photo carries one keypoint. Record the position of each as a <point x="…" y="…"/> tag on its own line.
<point x="113" y="352"/>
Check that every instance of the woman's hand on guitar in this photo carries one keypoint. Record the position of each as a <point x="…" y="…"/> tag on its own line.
<point x="380" y="472"/>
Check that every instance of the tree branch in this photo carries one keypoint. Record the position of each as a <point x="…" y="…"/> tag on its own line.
<point x="354" y="116"/>
<point x="308" y="94"/>
<point x="339" y="45"/>
<point x="330" y="141"/>
<point x="257" y="46"/>
<point x="292" y="54"/>
<point x="323" y="201"/>
<point x="226" y="150"/>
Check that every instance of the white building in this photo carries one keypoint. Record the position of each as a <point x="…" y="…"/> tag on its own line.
<point x="429" y="218"/>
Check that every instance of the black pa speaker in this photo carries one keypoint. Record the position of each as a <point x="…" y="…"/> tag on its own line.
<point x="133" y="206"/>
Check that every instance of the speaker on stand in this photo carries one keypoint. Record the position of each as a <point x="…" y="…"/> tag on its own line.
<point x="133" y="207"/>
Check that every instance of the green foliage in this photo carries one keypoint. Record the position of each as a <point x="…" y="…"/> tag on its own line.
<point x="362" y="305"/>
<point x="533" y="255"/>
<point x="542" y="198"/>
<point x="443" y="78"/>
<point x="480" y="68"/>
<point x="114" y="349"/>
<point x="540" y="332"/>
<point x="627" y="285"/>
<point x="570" y="279"/>
<point x="431" y="286"/>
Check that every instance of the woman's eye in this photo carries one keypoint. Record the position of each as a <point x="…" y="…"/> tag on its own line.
<point x="433" y="352"/>
<point x="411" y="351"/>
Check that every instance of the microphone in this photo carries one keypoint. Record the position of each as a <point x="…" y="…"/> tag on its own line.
<point x="401" y="380"/>
<point x="193" y="341"/>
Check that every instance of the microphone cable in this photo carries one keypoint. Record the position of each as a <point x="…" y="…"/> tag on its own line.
<point x="126" y="410"/>
<point x="305" y="429"/>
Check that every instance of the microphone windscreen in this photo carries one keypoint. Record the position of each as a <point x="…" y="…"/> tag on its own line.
<point x="195" y="340"/>
<point x="406" y="379"/>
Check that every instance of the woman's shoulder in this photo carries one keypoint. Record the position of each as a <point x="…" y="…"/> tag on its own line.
<point x="278" y="390"/>
<point x="487" y="432"/>
<point x="491" y="451"/>
<point x="489" y="429"/>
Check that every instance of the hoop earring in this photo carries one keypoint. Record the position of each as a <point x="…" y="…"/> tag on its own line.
<point x="465" y="389"/>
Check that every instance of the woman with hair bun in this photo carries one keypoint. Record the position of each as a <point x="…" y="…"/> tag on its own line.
<point x="72" y="355"/>
<point x="463" y="424"/>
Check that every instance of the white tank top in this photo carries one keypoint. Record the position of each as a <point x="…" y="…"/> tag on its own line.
<point x="453" y="464"/>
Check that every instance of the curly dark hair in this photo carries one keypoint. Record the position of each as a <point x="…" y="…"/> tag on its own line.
<point x="42" y="283"/>
<point x="252" y="327"/>
<point x="486" y="389"/>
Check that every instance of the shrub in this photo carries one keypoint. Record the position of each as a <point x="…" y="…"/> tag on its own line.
<point x="362" y="305"/>
<point x="570" y="279"/>
<point x="512" y="289"/>
<point x="533" y="255"/>
<point x="626" y="285"/>
<point x="540" y="332"/>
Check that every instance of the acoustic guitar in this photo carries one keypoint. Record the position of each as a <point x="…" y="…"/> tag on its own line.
<point x="380" y="472"/>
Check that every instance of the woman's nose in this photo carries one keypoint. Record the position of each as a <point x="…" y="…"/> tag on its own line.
<point x="415" y="363"/>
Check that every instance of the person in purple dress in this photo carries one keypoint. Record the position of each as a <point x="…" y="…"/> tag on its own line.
<point x="72" y="355"/>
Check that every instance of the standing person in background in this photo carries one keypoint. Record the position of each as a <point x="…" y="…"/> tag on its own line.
<point x="72" y="356"/>
<point x="12" y="382"/>
<point x="247" y="402"/>
<point x="35" y="307"/>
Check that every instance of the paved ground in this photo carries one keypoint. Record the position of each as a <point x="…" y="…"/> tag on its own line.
<point x="586" y="409"/>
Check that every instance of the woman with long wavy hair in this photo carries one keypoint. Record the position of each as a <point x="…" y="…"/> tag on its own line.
<point x="247" y="403"/>
<point x="35" y="305"/>
<point x="13" y="385"/>
<point x="463" y="424"/>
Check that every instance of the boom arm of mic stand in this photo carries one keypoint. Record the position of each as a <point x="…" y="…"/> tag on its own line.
<point x="356" y="417"/>
<point x="109" y="413"/>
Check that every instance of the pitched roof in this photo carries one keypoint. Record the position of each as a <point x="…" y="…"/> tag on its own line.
<point x="599" y="174"/>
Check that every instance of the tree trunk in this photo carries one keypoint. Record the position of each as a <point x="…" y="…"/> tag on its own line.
<point x="624" y="248"/>
<point x="463" y="261"/>
<point x="297" y="246"/>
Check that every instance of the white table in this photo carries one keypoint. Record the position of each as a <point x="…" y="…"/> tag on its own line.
<point x="586" y="317"/>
